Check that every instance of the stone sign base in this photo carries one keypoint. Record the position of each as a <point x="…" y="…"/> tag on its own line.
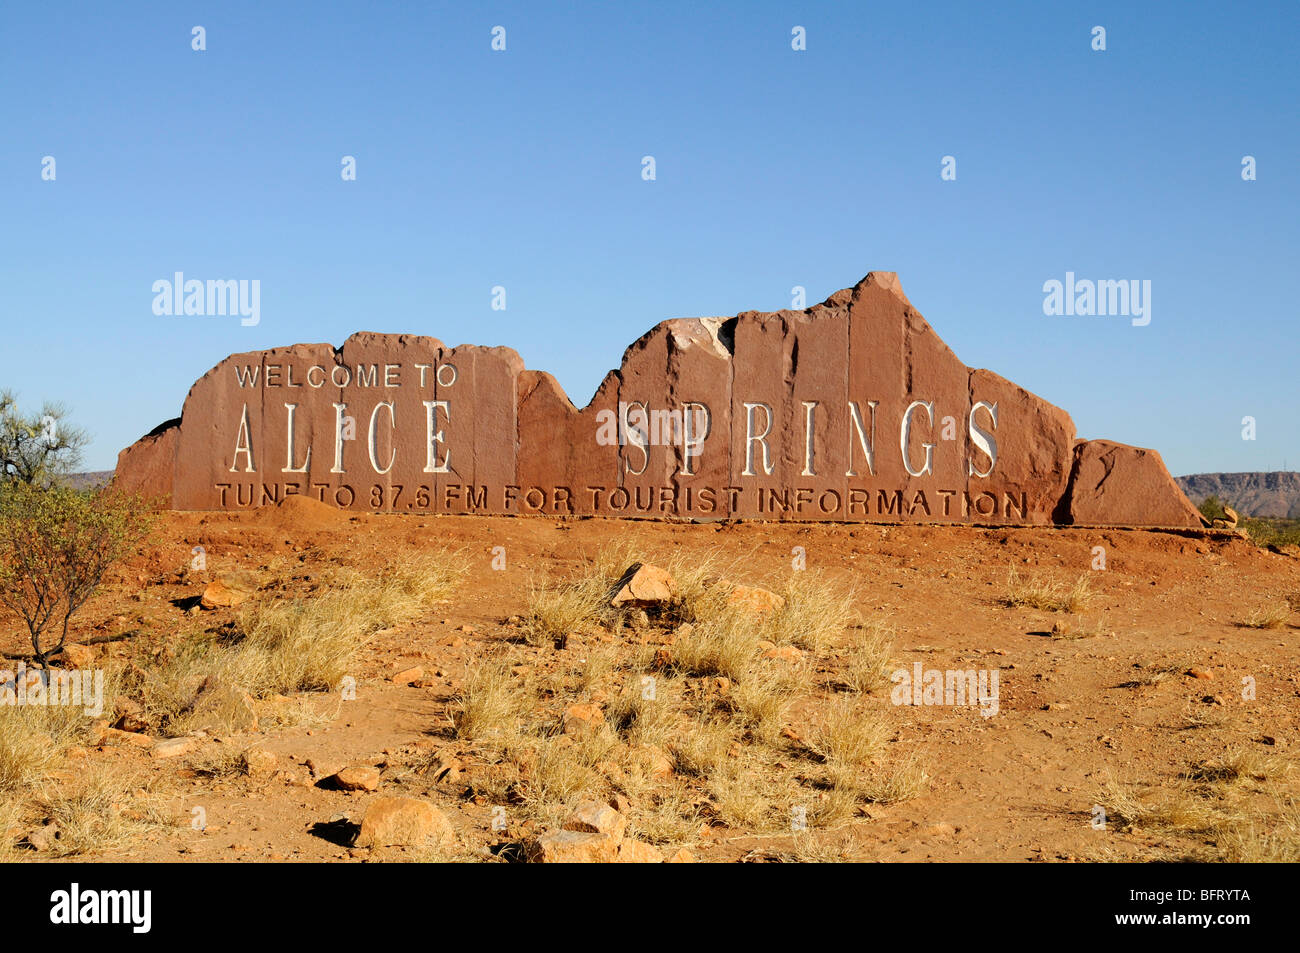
<point x="852" y="410"/>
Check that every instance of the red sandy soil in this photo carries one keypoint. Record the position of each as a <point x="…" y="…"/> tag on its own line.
<point x="1019" y="786"/>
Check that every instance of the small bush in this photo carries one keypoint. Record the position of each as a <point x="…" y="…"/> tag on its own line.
<point x="56" y="546"/>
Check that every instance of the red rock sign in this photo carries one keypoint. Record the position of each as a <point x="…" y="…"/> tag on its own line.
<point x="851" y="410"/>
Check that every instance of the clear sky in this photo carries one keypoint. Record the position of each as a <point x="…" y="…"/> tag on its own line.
<point x="774" y="168"/>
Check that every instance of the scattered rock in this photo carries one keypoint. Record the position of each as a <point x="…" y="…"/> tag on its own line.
<point x="642" y="586"/>
<point x="357" y="778"/>
<point x="1200" y="673"/>
<point x="403" y="822"/>
<point x="654" y="761"/>
<point x="784" y="653"/>
<point x="321" y="769"/>
<point x="115" y="736"/>
<point x="261" y="763"/>
<point x="592" y="817"/>
<point x="131" y="715"/>
<point x="573" y="847"/>
<point x="753" y="599"/>
<point x="220" y="706"/>
<point x="639" y="852"/>
<point x="227" y="592"/>
<point x="78" y="656"/>
<point x="620" y="803"/>
<point x="173" y="747"/>
<point x="681" y="855"/>
<point x="42" y="838"/>
<point x="582" y="719"/>
<point x="408" y="675"/>
<point x="1232" y="518"/>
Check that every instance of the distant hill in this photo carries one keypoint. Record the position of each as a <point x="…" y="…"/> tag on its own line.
<point x="90" y="480"/>
<point x="1251" y="494"/>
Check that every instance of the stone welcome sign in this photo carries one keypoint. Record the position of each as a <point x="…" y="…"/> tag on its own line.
<point x="852" y="410"/>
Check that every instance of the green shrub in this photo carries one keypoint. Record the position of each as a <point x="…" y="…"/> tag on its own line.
<point x="56" y="545"/>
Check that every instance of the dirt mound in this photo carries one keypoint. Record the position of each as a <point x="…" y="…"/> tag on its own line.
<point x="299" y="513"/>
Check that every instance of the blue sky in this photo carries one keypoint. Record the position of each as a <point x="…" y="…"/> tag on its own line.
<point x="775" y="168"/>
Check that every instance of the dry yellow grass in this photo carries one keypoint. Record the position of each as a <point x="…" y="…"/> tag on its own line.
<point x="701" y="748"/>
<point x="668" y="811"/>
<point x="310" y="644"/>
<point x="596" y="668"/>
<point x="554" y="774"/>
<point x="846" y="736"/>
<point x="761" y="700"/>
<point x="11" y="817"/>
<point x="869" y="650"/>
<point x="737" y="791"/>
<point x="646" y="713"/>
<point x="716" y="707"/>
<point x="810" y="848"/>
<point x="223" y="761"/>
<point x="851" y="741"/>
<point x="1151" y="675"/>
<point x="891" y="781"/>
<point x="816" y="612"/>
<point x="710" y="705"/>
<point x="1238" y="767"/>
<point x="489" y="704"/>
<point x="281" y="646"/>
<point x="1230" y="806"/>
<point x="1264" y="840"/>
<point x="1172" y="809"/>
<point x="97" y="811"/>
<point x="33" y="739"/>
<point x="694" y="575"/>
<point x="1272" y="616"/>
<point x="557" y="610"/>
<point x="1037" y="593"/>
<point x="724" y="643"/>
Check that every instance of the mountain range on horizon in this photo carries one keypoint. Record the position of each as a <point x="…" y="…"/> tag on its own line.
<point x="1275" y="493"/>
